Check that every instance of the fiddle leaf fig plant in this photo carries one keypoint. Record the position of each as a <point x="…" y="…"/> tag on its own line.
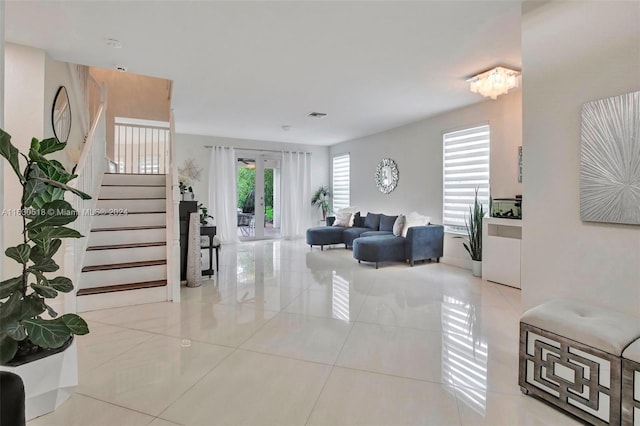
<point x="44" y="213"/>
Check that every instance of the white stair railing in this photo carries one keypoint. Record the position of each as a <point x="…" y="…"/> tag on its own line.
<point x="173" y="231"/>
<point x="90" y="169"/>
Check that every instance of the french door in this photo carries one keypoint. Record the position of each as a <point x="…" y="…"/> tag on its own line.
<point x="259" y="212"/>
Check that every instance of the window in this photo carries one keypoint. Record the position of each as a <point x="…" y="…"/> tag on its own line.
<point x="465" y="168"/>
<point x="340" y="182"/>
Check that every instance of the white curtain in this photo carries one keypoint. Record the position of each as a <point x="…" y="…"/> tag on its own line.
<point x="222" y="193"/>
<point x="296" y="194"/>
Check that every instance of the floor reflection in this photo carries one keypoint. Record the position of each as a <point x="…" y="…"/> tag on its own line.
<point x="340" y="297"/>
<point x="464" y="353"/>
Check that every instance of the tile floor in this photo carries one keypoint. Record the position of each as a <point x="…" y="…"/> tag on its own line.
<point x="285" y="335"/>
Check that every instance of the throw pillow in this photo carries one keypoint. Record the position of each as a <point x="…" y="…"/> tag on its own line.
<point x="398" y="226"/>
<point x="372" y="221"/>
<point x="415" y="219"/>
<point x="355" y="219"/>
<point x="342" y="218"/>
<point x="387" y="222"/>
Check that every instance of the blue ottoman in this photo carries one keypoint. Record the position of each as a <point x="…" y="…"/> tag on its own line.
<point x="324" y="236"/>
<point x="378" y="248"/>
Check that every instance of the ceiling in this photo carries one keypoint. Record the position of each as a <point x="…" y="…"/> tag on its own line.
<point x="244" y="69"/>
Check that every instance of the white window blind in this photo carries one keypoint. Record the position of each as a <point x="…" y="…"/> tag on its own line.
<point x="466" y="168"/>
<point x="340" y="182"/>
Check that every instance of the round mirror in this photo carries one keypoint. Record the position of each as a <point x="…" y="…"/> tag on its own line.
<point x="61" y="115"/>
<point x="387" y="175"/>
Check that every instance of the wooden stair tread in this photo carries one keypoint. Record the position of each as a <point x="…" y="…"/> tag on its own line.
<point x="126" y="246"/>
<point x="121" y="287"/>
<point x="124" y="265"/>
<point x="128" y="228"/>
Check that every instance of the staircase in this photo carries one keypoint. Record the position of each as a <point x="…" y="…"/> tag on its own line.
<point x="126" y="258"/>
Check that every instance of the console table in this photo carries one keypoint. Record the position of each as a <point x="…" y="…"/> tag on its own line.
<point x="210" y="231"/>
<point x="501" y="250"/>
<point x="186" y="208"/>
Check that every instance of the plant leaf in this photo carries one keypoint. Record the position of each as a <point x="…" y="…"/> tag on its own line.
<point x="47" y="265"/>
<point x="62" y="284"/>
<point x="65" y="188"/>
<point x="8" y="349"/>
<point x="32" y="190"/>
<point x="10" y="152"/>
<point x="44" y="291"/>
<point x="16" y="331"/>
<point x="32" y="306"/>
<point x="47" y="333"/>
<point x="19" y="253"/>
<point x="11" y="307"/>
<point x="51" y="312"/>
<point x="55" y="213"/>
<point x="47" y="146"/>
<point x="9" y="286"/>
<point x="75" y="324"/>
<point x="57" y="232"/>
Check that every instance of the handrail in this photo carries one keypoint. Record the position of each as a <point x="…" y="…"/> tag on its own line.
<point x="89" y="170"/>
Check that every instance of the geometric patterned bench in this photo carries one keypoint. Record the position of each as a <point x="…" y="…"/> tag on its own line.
<point x="570" y="356"/>
<point x="631" y="385"/>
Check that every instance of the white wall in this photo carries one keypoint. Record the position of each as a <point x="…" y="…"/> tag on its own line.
<point x="193" y="147"/>
<point x="574" y="52"/>
<point x="417" y="149"/>
<point x="58" y="74"/>
<point x="23" y="106"/>
<point x="2" y="127"/>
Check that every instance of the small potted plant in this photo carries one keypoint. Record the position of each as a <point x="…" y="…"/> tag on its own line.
<point x="474" y="235"/>
<point x="30" y="330"/>
<point x="204" y="214"/>
<point x="320" y="200"/>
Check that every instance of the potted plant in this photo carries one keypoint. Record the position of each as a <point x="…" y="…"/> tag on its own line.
<point x="320" y="200"/>
<point x="204" y="214"/>
<point x="184" y="183"/>
<point x="30" y="330"/>
<point x="474" y="235"/>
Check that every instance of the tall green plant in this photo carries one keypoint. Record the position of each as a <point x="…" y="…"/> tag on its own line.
<point x="320" y="200"/>
<point x="44" y="213"/>
<point x="474" y="230"/>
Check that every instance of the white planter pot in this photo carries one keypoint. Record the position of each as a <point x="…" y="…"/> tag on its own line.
<point x="48" y="382"/>
<point x="476" y="268"/>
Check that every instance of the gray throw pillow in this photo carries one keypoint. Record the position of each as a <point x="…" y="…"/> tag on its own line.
<point x="372" y="221"/>
<point x="387" y="222"/>
<point x="398" y="226"/>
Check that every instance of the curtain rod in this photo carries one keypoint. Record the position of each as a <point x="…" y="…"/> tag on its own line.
<point x="263" y="150"/>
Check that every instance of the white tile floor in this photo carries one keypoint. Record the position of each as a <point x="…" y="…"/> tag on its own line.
<point x="285" y="335"/>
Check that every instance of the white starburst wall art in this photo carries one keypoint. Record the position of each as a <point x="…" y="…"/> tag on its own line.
<point x="610" y="160"/>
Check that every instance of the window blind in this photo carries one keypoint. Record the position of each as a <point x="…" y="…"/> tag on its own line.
<point x="340" y="181"/>
<point x="465" y="168"/>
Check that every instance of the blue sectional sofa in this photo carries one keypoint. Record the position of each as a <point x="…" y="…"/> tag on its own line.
<point x="373" y="240"/>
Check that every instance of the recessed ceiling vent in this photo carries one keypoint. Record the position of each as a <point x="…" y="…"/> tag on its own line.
<point x="317" y="115"/>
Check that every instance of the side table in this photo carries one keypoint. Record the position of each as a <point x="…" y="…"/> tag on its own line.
<point x="210" y="231"/>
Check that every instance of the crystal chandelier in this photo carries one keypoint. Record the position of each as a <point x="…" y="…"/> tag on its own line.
<point x="495" y="82"/>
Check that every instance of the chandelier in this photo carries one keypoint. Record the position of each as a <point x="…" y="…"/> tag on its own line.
<point x="495" y="82"/>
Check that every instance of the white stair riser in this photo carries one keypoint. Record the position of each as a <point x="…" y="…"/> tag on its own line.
<point x="108" y="238"/>
<point x="124" y="179"/>
<point x="136" y="254"/>
<point x="92" y="302"/>
<point x="132" y="192"/>
<point x="122" y="276"/>
<point x="131" y="205"/>
<point x="129" y="220"/>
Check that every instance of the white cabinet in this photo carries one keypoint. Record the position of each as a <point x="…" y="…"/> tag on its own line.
<point x="501" y="250"/>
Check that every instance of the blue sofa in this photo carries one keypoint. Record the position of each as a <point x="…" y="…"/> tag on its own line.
<point x="372" y="239"/>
